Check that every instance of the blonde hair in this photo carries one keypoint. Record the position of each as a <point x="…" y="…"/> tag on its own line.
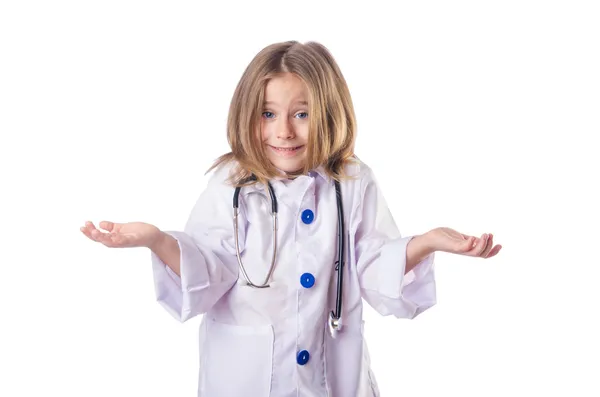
<point x="332" y="122"/>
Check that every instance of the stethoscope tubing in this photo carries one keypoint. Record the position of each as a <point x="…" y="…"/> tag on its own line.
<point x="335" y="315"/>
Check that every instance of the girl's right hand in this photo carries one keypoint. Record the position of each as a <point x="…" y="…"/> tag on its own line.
<point x="123" y="235"/>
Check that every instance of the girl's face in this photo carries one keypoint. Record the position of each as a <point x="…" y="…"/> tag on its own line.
<point x="284" y="122"/>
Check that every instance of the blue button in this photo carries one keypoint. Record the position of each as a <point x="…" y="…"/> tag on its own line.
<point x="307" y="216"/>
<point x="307" y="280"/>
<point x="302" y="357"/>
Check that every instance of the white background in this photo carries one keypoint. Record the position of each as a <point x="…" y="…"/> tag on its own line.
<point x="480" y="116"/>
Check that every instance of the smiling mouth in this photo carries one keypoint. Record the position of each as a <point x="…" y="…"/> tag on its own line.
<point x="286" y="149"/>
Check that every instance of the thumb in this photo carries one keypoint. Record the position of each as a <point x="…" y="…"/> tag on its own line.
<point x="107" y="225"/>
<point x="466" y="245"/>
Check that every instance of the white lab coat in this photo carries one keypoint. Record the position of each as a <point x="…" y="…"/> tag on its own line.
<point x="249" y="337"/>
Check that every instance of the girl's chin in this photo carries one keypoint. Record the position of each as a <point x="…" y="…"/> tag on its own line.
<point x="289" y="168"/>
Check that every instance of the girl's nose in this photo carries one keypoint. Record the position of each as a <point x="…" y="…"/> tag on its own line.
<point x="285" y="131"/>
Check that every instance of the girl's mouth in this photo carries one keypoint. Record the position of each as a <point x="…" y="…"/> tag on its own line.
<point x="286" y="151"/>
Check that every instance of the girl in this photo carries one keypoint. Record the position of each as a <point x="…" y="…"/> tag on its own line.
<point x="282" y="301"/>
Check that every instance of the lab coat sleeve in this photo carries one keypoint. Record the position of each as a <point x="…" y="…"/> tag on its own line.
<point x="208" y="262"/>
<point x="380" y="258"/>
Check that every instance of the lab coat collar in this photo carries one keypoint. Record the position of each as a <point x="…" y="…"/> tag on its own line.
<point x="317" y="172"/>
<point x="287" y="188"/>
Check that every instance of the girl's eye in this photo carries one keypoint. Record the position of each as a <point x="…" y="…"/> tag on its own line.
<point x="270" y="115"/>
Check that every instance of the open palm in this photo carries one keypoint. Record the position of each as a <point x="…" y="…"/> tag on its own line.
<point x="449" y="240"/>
<point x="122" y="235"/>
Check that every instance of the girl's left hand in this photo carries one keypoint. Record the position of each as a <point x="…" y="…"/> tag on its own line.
<point x="449" y="240"/>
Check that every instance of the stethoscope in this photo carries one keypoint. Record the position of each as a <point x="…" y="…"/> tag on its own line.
<point x="335" y="317"/>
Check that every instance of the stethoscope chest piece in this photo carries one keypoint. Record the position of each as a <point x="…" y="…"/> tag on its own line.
<point x="335" y="325"/>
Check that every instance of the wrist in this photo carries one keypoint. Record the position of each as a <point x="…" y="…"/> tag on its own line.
<point x="419" y="247"/>
<point x="422" y="245"/>
<point x="157" y="241"/>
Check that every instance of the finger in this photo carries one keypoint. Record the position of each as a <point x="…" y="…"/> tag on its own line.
<point x="89" y="226"/>
<point x="468" y="244"/>
<point x="111" y="240"/>
<point x="479" y="247"/>
<point x="118" y="240"/>
<point x="108" y="239"/>
<point x="86" y="232"/>
<point x="107" y="225"/>
<point x="90" y="231"/>
<point x="101" y="237"/>
<point x="97" y="235"/>
<point x="494" y="251"/>
<point x="489" y="245"/>
<point x="485" y="241"/>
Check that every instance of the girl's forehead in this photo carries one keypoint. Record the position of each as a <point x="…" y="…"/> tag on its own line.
<point x="286" y="88"/>
<point x="286" y="82"/>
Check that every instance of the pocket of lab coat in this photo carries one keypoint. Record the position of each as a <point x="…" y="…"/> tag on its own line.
<point x="344" y="356"/>
<point x="237" y="360"/>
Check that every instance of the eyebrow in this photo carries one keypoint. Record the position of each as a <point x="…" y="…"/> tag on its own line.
<point x="295" y="103"/>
